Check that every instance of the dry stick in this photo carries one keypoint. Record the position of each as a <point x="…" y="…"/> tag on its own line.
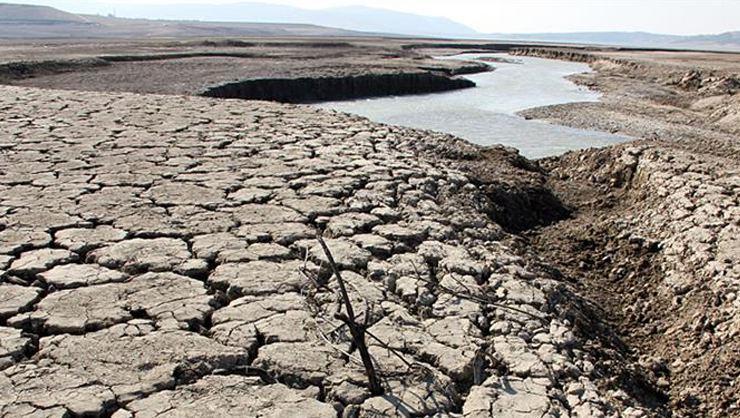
<point x="357" y="331"/>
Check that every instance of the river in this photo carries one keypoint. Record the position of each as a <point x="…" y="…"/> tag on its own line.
<point x="486" y="114"/>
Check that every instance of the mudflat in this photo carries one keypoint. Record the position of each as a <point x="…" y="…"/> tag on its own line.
<point x="159" y="252"/>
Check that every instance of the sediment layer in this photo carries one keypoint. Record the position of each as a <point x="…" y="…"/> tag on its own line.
<point x="316" y="89"/>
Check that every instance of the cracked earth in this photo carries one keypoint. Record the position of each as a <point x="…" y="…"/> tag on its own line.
<point x="159" y="258"/>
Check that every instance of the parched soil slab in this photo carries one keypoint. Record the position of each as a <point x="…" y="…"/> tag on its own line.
<point x="13" y="346"/>
<point x="171" y="300"/>
<point x="33" y="262"/>
<point x="90" y="374"/>
<point x="272" y="214"/>
<point x="300" y="364"/>
<point x="275" y="318"/>
<point x="229" y="396"/>
<point x="185" y="194"/>
<point x="77" y="275"/>
<point x="14" y="299"/>
<point x="142" y="255"/>
<point x="81" y="240"/>
<point x="16" y="240"/>
<point x="259" y="277"/>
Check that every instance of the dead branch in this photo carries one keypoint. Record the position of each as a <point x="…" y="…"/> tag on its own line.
<point x="356" y="330"/>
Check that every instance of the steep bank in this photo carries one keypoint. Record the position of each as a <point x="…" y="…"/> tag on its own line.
<point x="654" y="241"/>
<point x="288" y="71"/>
<point x="654" y="234"/>
<point x="308" y="90"/>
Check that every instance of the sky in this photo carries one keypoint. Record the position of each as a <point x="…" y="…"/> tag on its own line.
<point x="679" y="17"/>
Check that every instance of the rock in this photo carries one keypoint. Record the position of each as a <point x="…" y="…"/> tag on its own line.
<point x="170" y="300"/>
<point x="141" y="255"/>
<point x="15" y="299"/>
<point x="230" y="396"/>
<point x="33" y="262"/>
<point x="82" y="240"/>
<point x="76" y="275"/>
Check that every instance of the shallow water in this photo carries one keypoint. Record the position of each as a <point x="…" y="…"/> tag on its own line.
<point x="486" y="114"/>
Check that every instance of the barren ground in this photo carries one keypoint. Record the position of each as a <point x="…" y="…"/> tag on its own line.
<point x="158" y="253"/>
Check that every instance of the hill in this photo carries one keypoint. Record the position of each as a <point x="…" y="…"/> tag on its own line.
<point x="729" y="41"/>
<point x="38" y="22"/>
<point x="355" y="18"/>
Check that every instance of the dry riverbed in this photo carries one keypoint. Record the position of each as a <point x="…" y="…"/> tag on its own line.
<point x="159" y="254"/>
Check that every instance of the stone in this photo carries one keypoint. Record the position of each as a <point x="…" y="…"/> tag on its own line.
<point x="68" y="276"/>
<point x="230" y="396"/>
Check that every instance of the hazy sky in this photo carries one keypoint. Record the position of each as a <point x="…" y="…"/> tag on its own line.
<point x="685" y="17"/>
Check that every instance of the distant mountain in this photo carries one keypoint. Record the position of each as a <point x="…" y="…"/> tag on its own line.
<point x="22" y="13"/>
<point x="262" y="19"/>
<point x="357" y="18"/>
<point x="35" y="22"/>
<point x="729" y="41"/>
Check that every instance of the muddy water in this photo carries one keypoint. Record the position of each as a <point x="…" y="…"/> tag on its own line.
<point x="486" y="114"/>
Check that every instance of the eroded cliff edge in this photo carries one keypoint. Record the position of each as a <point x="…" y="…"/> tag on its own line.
<point x="653" y="236"/>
